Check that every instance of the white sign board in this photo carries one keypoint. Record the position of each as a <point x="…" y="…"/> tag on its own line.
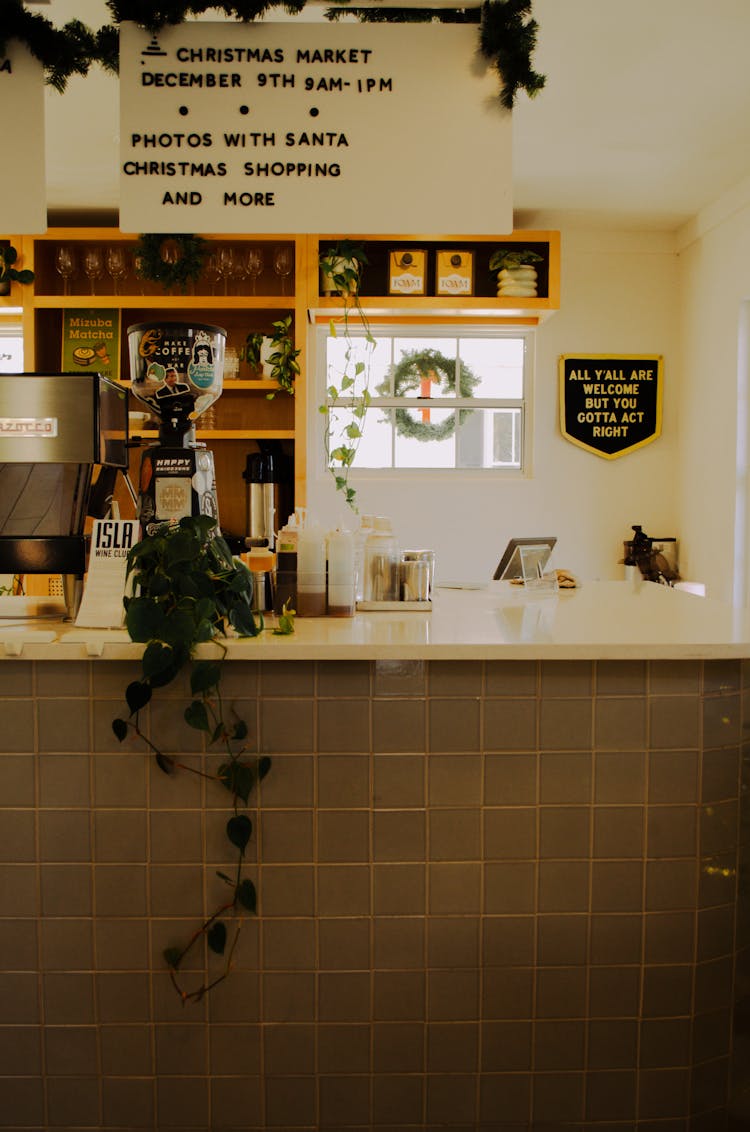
<point x="23" y="197"/>
<point x="336" y="128"/>
<point x="106" y="580"/>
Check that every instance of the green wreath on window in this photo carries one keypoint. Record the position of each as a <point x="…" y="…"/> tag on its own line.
<point x="410" y="378"/>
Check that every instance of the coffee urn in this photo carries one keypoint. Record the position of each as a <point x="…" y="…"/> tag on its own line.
<point x="267" y="495"/>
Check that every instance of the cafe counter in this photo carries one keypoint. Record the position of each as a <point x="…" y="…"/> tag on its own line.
<point x="496" y="858"/>
<point x="599" y="620"/>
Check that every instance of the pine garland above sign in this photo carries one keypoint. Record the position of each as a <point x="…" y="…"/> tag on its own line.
<point x="507" y="34"/>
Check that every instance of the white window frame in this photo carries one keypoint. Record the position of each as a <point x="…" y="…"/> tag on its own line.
<point x="317" y="463"/>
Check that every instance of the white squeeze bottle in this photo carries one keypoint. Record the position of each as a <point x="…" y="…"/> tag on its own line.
<point x="311" y="571"/>
<point x="366" y="527"/>
<point x="286" y="566"/>
<point x="341" y="577"/>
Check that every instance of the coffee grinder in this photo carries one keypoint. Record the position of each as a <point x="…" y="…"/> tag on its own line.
<point x="177" y="370"/>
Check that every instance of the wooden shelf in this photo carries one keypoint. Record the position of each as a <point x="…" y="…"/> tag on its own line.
<point x="227" y="434"/>
<point x="166" y="302"/>
<point x="249" y="416"/>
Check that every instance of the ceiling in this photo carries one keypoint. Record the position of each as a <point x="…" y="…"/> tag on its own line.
<point x="644" y="120"/>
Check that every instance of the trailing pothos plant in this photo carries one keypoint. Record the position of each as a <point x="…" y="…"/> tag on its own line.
<point x="281" y="360"/>
<point x="347" y="385"/>
<point x="189" y="591"/>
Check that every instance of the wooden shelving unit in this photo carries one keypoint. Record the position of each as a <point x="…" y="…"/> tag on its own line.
<point x="244" y="413"/>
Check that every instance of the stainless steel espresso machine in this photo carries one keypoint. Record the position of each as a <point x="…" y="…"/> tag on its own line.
<point x="177" y="370"/>
<point x="54" y="431"/>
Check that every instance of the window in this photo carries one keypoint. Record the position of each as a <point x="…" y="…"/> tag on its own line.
<point x="440" y="399"/>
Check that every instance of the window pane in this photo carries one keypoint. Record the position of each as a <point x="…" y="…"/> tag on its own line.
<point x="489" y="438"/>
<point x="434" y="376"/>
<point x="506" y="438"/>
<point x="375" y="446"/>
<point x="438" y="451"/>
<point x="373" y="363"/>
<point x="498" y="363"/>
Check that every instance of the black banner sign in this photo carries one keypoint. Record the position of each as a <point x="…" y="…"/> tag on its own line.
<point x="610" y="405"/>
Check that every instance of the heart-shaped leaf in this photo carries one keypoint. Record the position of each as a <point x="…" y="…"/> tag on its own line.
<point x="165" y="763"/>
<point x="246" y="895"/>
<point x="120" y="728"/>
<point x="157" y="658"/>
<point x="206" y="674"/>
<point x="239" y="831"/>
<point x="172" y="956"/>
<point x="137" y="695"/>
<point x="197" y="716"/>
<point x="216" y="937"/>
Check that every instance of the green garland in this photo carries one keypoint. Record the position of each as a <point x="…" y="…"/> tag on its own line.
<point x="187" y="265"/>
<point x="507" y="34"/>
<point x="415" y="365"/>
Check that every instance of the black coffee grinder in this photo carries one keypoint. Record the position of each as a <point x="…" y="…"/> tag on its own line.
<point x="177" y="370"/>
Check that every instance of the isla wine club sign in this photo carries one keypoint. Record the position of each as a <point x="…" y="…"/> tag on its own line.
<point x="610" y="404"/>
<point x="283" y="128"/>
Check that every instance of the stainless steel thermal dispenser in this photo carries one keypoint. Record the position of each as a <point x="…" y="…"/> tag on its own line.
<point x="54" y="430"/>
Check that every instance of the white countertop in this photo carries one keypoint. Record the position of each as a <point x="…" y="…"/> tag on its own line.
<point x="600" y="620"/>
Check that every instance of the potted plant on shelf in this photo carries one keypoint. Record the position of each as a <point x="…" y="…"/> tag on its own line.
<point x="8" y="273"/>
<point x="341" y="267"/>
<point x="516" y="273"/>
<point x="274" y="354"/>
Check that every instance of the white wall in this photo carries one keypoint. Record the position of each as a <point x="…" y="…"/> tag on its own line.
<point x="715" y="287"/>
<point x="619" y="295"/>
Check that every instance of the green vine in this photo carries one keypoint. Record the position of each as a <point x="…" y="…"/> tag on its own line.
<point x="507" y="34"/>
<point x="417" y="366"/>
<point x="171" y="260"/>
<point x="343" y="264"/>
<point x="189" y="591"/>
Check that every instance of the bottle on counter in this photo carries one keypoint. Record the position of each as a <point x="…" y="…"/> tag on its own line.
<point x="286" y="566"/>
<point x="311" y="571"/>
<point x="382" y="562"/>
<point x="366" y="527"/>
<point x="341" y="574"/>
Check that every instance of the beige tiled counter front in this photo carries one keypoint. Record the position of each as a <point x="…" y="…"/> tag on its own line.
<point x="493" y="894"/>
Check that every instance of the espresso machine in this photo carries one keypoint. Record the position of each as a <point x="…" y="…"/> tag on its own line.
<point x="655" y="558"/>
<point x="55" y="429"/>
<point x="177" y="371"/>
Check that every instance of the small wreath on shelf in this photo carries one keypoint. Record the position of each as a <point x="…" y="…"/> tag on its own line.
<point x="172" y="260"/>
<point x="416" y="368"/>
